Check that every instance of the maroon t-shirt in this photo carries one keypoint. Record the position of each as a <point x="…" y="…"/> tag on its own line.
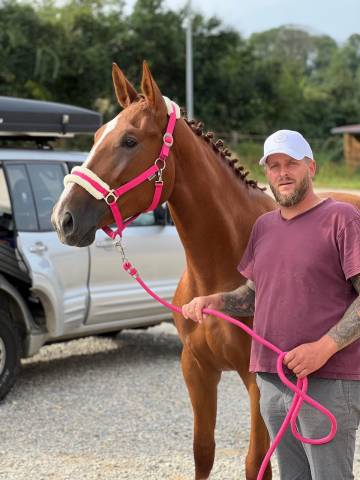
<point x="301" y="268"/>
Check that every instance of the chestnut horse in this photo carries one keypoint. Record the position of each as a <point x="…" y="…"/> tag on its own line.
<point x="214" y="208"/>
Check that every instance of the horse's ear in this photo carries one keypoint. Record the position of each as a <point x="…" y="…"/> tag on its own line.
<point x="151" y="90"/>
<point x="125" y="92"/>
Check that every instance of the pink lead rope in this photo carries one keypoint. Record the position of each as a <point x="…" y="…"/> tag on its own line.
<point x="300" y="389"/>
<point x="100" y="190"/>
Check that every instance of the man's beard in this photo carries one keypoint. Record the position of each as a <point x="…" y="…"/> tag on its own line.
<point x="292" y="198"/>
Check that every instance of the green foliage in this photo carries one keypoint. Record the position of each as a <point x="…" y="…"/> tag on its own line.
<point x="23" y="45"/>
<point x="280" y="78"/>
<point x="156" y="35"/>
<point x="331" y="173"/>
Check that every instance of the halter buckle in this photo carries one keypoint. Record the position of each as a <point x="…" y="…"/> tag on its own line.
<point x="168" y="139"/>
<point x="111" y="197"/>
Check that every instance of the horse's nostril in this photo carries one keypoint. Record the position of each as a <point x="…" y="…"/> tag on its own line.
<point x="67" y="223"/>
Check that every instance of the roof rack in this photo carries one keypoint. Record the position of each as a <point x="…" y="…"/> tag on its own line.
<point x="33" y="119"/>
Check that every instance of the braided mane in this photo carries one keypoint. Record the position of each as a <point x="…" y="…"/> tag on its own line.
<point x="218" y="147"/>
<point x="225" y="153"/>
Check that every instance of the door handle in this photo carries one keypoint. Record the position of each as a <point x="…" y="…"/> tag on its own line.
<point x="39" y="247"/>
<point x="108" y="242"/>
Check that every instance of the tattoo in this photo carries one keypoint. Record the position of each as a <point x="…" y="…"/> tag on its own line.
<point x="356" y="283"/>
<point x="240" y="302"/>
<point x="348" y="329"/>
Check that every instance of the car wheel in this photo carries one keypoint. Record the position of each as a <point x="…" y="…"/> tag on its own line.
<point x="10" y="353"/>
<point x="111" y="334"/>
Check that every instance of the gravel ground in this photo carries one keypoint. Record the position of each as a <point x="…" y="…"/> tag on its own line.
<point x="101" y="408"/>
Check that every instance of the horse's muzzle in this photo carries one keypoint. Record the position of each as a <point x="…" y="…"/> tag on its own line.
<point x="70" y="230"/>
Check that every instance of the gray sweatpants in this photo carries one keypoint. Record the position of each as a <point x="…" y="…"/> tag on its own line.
<point x="297" y="461"/>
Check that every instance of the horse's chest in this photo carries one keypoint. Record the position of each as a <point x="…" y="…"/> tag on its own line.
<point x="213" y="344"/>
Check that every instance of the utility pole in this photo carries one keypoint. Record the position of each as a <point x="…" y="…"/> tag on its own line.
<point x="189" y="65"/>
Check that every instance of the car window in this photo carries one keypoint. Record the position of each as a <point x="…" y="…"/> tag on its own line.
<point x="47" y="185"/>
<point x="160" y="216"/>
<point x="144" y="220"/>
<point x="22" y="199"/>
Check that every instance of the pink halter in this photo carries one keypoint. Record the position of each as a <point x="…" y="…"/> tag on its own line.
<point x="101" y="190"/>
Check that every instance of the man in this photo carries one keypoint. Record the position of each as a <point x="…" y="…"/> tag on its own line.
<point x="303" y="262"/>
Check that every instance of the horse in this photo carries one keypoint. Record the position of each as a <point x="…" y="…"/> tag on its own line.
<point x="214" y="206"/>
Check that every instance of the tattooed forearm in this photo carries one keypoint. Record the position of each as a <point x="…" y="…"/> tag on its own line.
<point x="348" y="329"/>
<point x="356" y="283"/>
<point x="240" y="302"/>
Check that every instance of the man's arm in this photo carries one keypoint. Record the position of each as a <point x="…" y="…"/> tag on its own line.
<point x="309" y="357"/>
<point x="240" y="302"/>
<point x="348" y="329"/>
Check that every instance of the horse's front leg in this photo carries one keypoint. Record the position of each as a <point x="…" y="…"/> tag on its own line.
<point x="202" y="381"/>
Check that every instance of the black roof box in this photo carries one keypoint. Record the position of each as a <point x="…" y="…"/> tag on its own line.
<point x="35" y="118"/>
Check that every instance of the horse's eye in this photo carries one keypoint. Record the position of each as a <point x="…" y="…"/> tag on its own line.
<point x="128" y="142"/>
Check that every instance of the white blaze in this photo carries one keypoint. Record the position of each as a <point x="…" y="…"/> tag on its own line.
<point x="109" y="127"/>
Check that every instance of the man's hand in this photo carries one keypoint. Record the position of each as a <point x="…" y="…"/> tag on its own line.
<point x="194" y="309"/>
<point x="309" y="357"/>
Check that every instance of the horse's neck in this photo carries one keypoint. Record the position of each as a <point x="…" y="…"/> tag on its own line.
<point x="212" y="208"/>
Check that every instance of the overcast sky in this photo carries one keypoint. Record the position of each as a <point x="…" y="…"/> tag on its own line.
<point x="337" y="18"/>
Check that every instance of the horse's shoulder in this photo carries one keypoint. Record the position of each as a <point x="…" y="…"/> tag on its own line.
<point x="350" y="198"/>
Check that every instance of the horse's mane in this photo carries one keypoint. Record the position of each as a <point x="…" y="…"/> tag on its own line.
<point x="224" y="152"/>
<point x="218" y="147"/>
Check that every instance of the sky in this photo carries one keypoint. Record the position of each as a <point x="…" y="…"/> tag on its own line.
<point x="336" y="18"/>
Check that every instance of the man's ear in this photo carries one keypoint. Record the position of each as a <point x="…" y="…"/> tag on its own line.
<point x="313" y="168"/>
<point x="125" y="92"/>
<point x="151" y="91"/>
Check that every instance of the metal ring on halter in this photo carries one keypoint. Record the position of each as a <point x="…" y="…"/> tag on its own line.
<point x="160" y="167"/>
<point x="111" y="197"/>
<point x="168" y="139"/>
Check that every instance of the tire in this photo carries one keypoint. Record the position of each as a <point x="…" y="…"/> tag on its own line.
<point x="10" y="353"/>
<point x="111" y="334"/>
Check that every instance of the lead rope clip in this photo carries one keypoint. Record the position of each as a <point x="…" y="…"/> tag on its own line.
<point x="119" y="248"/>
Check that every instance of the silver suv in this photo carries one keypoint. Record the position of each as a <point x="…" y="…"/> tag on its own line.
<point x="50" y="291"/>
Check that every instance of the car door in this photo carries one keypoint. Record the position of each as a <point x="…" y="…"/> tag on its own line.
<point x="157" y="253"/>
<point x="59" y="272"/>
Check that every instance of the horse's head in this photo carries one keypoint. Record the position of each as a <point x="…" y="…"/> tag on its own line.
<point x="123" y="149"/>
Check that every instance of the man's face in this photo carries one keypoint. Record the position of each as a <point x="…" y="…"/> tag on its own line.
<point x="289" y="179"/>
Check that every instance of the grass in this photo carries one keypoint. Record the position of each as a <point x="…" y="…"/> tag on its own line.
<point x="331" y="169"/>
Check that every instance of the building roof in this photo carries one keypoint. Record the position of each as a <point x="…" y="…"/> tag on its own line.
<point x="346" y="129"/>
<point x="35" y="118"/>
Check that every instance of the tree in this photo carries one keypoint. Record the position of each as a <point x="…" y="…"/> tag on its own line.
<point x="281" y="78"/>
<point x="155" y="34"/>
<point x="29" y="51"/>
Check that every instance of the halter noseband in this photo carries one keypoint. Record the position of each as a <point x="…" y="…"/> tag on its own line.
<point x="100" y="190"/>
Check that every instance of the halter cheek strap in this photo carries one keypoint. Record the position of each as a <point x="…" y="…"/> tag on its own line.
<point x="100" y="190"/>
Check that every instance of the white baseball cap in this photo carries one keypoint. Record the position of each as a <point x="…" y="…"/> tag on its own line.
<point x="287" y="141"/>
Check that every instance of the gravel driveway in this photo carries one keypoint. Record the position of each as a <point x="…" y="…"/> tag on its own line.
<point x="116" y="409"/>
<point x="101" y="408"/>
